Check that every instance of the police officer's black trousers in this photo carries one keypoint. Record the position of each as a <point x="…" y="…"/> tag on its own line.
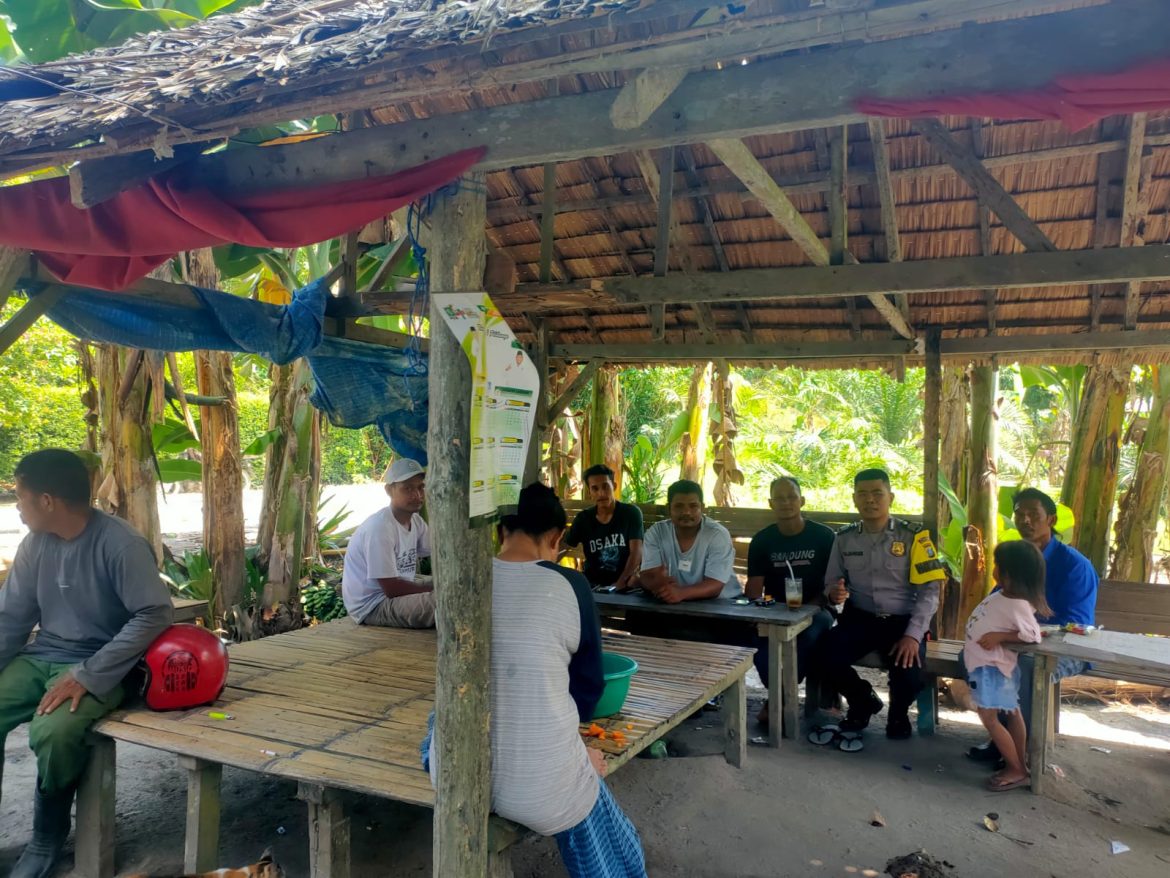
<point x="857" y="634"/>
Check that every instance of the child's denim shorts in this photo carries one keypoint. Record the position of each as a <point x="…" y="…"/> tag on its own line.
<point x="991" y="689"/>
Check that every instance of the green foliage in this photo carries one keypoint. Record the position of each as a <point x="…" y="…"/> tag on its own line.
<point x="329" y="532"/>
<point x="44" y="30"/>
<point x="322" y="602"/>
<point x="190" y="576"/>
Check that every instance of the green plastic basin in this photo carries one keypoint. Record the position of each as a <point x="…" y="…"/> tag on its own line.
<point x="617" y="670"/>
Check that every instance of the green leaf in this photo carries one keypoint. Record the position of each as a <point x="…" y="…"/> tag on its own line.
<point x="958" y="510"/>
<point x="172" y="437"/>
<point x="177" y="469"/>
<point x="260" y="444"/>
<point x="237" y="260"/>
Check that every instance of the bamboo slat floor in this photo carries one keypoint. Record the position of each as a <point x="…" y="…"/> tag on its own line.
<point x="341" y="707"/>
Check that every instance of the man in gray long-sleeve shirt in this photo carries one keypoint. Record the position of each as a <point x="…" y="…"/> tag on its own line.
<point x="91" y="582"/>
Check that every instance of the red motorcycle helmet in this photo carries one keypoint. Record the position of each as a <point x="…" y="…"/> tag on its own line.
<point x="185" y="666"/>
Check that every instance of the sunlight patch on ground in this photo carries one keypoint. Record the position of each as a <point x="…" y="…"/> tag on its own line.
<point x="1076" y="723"/>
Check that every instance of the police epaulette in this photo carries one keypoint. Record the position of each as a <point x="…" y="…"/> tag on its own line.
<point x="912" y="526"/>
<point x="853" y="525"/>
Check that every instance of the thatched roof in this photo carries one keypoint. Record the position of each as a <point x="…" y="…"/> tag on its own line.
<point x="412" y="60"/>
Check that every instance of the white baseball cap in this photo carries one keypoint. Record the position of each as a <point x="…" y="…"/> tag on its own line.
<point x="402" y="469"/>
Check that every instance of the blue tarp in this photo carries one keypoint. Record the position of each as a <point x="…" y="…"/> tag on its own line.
<point x="356" y="383"/>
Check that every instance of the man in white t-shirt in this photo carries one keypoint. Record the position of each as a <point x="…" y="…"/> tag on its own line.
<point x="380" y="583"/>
<point x="688" y="557"/>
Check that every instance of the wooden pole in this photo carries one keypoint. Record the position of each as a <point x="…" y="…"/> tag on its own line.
<point x="1090" y="480"/>
<point x="931" y="414"/>
<point x="1137" y="521"/>
<point x="954" y="436"/>
<point x="693" y="448"/>
<point x="463" y="556"/>
<point x="983" y="488"/>
<point x="223" y="477"/>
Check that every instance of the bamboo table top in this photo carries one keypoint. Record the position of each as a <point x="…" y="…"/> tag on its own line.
<point x="345" y="707"/>
<point x="1138" y="652"/>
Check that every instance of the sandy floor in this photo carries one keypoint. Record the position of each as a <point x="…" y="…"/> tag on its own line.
<point x="799" y="811"/>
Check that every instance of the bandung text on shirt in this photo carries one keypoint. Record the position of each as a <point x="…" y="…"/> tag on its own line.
<point x="805" y="555"/>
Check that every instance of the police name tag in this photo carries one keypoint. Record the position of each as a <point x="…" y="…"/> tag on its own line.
<point x="684" y="566"/>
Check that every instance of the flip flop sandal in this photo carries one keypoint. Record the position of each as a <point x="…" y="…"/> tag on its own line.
<point x="850" y="742"/>
<point x="824" y="735"/>
<point x="994" y="786"/>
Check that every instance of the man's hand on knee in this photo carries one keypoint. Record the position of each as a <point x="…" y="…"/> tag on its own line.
<point x="65" y="689"/>
<point x="905" y="653"/>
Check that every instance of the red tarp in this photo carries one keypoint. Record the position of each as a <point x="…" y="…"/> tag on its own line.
<point x="115" y="243"/>
<point x="1077" y="101"/>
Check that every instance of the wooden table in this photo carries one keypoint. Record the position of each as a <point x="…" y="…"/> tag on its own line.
<point x="777" y="623"/>
<point x="1134" y="652"/>
<point x="340" y="708"/>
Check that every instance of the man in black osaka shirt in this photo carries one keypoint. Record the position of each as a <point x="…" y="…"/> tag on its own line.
<point x="803" y="544"/>
<point x="610" y="533"/>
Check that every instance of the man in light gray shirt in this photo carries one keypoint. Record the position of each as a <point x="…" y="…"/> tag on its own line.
<point x="91" y="582"/>
<point x="689" y="557"/>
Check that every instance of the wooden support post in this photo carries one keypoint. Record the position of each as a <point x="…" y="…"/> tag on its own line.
<point x="329" y="835"/>
<point x="463" y="556"/>
<point x="789" y="688"/>
<point x="838" y="196"/>
<point x="775" y="685"/>
<point x="1040" y="737"/>
<point x="989" y="190"/>
<point x="885" y="188"/>
<point x="575" y="387"/>
<point x="735" y="723"/>
<point x="96" y="794"/>
<point x="201" y="846"/>
<point x="665" y="196"/>
<point x="540" y="416"/>
<point x="657" y="322"/>
<point x="1135" y="205"/>
<point x="983" y="488"/>
<point x="349" y="269"/>
<point x="931" y="419"/>
<point x="989" y="294"/>
<point x="547" y="218"/>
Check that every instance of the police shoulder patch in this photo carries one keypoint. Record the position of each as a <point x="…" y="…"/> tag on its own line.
<point x="912" y="526"/>
<point x="849" y="528"/>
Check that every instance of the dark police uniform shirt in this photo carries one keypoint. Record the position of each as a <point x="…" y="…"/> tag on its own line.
<point x="807" y="552"/>
<point x="606" y="546"/>
<point x="892" y="573"/>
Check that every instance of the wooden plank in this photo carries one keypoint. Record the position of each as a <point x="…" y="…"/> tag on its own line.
<point x="1084" y="341"/>
<point x="1134" y="206"/>
<point x="694" y="183"/>
<point x="838" y="196"/>
<point x="644" y="94"/>
<point x="574" y="389"/>
<point x="1016" y="270"/>
<point x="984" y="212"/>
<point x="771" y="351"/>
<point x="790" y="687"/>
<point x="462" y="558"/>
<point x="96" y="817"/>
<point x="32" y="310"/>
<point x="986" y="187"/>
<point x="329" y="832"/>
<point x="657" y="322"/>
<point x="201" y="844"/>
<point x="1040" y="738"/>
<point x="741" y="162"/>
<point x="885" y="188"/>
<point x="783" y="94"/>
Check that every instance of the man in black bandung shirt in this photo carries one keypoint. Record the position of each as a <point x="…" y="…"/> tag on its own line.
<point x="610" y="533"/>
<point x="803" y="544"/>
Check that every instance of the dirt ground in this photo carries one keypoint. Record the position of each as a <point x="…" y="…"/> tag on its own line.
<point x="799" y="811"/>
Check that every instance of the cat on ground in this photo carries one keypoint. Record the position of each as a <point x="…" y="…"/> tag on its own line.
<point x="265" y="868"/>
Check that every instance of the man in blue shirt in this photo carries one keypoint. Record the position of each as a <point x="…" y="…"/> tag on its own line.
<point x="1071" y="592"/>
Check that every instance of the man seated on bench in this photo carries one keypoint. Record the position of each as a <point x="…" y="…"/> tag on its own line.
<point x="689" y="556"/>
<point x="792" y="547"/>
<point x="1070" y="590"/>
<point x="610" y="533"/>
<point x="91" y="581"/>
<point x="886" y="573"/>
<point x="380" y="583"/>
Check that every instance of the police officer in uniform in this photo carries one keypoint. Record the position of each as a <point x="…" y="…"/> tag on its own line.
<point x="886" y="573"/>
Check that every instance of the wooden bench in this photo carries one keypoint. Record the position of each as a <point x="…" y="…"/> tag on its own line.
<point x="341" y="709"/>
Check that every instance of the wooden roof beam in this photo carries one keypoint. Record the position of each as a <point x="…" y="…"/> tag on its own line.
<point x="1004" y="271"/>
<point x="885" y="187"/>
<point x="777" y="95"/>
<point x="644" y="94"/>
<point x="989" y="190"/>
<point x="1135" y="205"/>
<point x="575" y="387"/>
<point x="741" y="162"/>
<point x="984" y="214"/>
<point x="958" y="348"/>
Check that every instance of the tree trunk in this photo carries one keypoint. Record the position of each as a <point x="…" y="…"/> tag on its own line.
<point x="280" y="382"/>
<point x="223" y="476"/>
<point x="129" y="486"/>
<point x="608" y="428"/>
<point x="693" y="447"/>
<point x="1137" y="521"/>
<point x="1090" y="482"/>
<point x="723" y="432"/>
<point x="954" y="437"/>
<point x="564" y="449"/>
<point x="462" y="556"/>
<point x="982" y="488"/>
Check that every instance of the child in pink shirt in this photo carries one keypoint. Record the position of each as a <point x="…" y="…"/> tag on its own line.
<point x="1007" y="615"/>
